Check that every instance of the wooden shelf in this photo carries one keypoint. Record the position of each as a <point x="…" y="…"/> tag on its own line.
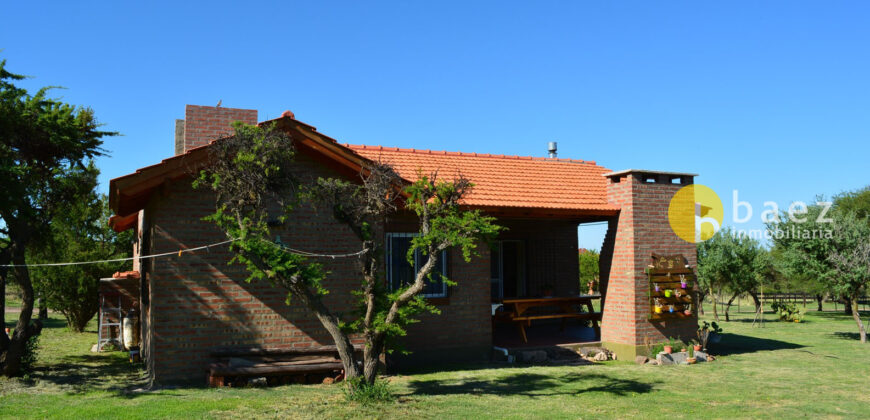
<point x="665" y="273"/>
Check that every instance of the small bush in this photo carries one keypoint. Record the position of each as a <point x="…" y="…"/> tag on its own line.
<point x="357" y="390"/>
<point x="787" y="311"/>
<point x="31" y="350"/>
<point x="655" y="349"/>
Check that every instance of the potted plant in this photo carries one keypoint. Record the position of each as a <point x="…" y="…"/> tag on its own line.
<point x="668" y="293"/>
<point x="658" y="306"/>
<point x="687" y="310"/>
<point x="696" y="346"/>
<point x="691" y="359"/>
<point x="668" y="349"/>
<point x="683" y="283"/>
<point x="656" y="285"/>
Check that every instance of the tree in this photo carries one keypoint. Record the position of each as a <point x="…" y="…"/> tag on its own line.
<point x="45" y="145"/>
<point x="856" y="202"/>
<point x="589" y="269"/>
<point x="253" y="177"/>
<point x="850" y="258"/>
<point x="732" y="263"/>
<point x="81" y="233"/>
<point x="802" y="246"/>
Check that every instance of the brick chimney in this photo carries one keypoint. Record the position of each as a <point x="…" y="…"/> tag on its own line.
<point x="202" y="124"/>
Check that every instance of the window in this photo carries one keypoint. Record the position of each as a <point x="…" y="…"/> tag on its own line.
<point x="400" y="273"/>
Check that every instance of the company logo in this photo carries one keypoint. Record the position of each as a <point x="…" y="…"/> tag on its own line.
<point x="695" y="213"/>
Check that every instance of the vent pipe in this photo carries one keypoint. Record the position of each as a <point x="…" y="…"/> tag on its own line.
<point x="551" y="149"/>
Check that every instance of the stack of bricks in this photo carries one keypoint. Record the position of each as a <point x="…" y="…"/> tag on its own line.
<point x="640" y="230"/>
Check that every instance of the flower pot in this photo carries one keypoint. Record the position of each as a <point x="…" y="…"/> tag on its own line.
<point x="691" y="360"/>
<point x="696" y="347"/>
<point x="668" y="293"/>
<point x="687" y="312"/>
<point x="669" y="349"/>
<point x="657" y="288"/>
<point x="683" y="285"/>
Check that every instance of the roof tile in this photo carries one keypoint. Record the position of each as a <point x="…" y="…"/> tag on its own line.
<point x="504" y="181"/>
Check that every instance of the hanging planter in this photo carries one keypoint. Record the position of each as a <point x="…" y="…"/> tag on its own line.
<point x="683" y="283"/>
<point x="668" y="293"/>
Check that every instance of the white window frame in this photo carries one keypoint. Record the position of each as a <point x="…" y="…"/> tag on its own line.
<point x="389" y="259"/>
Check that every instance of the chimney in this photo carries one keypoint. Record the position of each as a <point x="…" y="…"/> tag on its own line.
<point x="551" y="149"/>
<point x="203" y="124"/>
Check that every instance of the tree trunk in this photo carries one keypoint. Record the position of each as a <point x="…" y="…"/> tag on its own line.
<point x="820" y="299"/>
<point x="371" y="358"/>
<point x="3" y="271"/>
<point x="715" y="310"/>
<point x="757" y="302"/>
<point x="847" y="305"/>
<point x="701" y="297"/>
<point x="331" y="323"/>
<point x="43" y="310"/>
<point x="10" y="360"/>
<point x="728" y="307"/>
<point x="855" y="314"/>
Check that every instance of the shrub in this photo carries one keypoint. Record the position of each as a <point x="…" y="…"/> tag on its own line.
<point x="31" y="350"/>
<point x="357" y="390"/>
<point x="787" y="311"/>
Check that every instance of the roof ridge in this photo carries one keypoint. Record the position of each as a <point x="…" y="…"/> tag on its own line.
<point x="467" y="154"/>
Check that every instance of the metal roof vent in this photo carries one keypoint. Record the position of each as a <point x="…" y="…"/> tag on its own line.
<point x="551" y="149"/>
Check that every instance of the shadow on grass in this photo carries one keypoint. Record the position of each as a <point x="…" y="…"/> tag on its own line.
<point x="84" y="373"/>
<point x="742" y="344"/>
<point x="533" y="385"/>
<point x="846" y="335"/>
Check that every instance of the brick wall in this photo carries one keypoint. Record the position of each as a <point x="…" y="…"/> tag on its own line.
<point x="551" y="254"/>
<point x="640" y="230"/>
<point x="199" y="303"/>
<point x="202" y="124"/>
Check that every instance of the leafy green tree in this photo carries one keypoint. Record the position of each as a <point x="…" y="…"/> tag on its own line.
<point x="253" y="177"/>
<point x="81" y="233"/>
<point x="735" y="264"/>
<point x="856" y="202"/>
<point x="802" y="245"/>
<point x="45" y="145"/>
<point x="589" y="269"/>
<point x="850" y="259"/>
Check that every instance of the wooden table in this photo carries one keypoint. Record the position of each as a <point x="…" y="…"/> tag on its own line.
<point x="517" y="311"/>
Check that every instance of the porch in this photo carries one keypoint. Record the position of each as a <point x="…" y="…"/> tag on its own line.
<point x="535" y="291"/>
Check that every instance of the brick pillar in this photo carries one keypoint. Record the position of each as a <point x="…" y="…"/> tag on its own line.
<point x="202" y="124"/>
<point x="641" y="229"/>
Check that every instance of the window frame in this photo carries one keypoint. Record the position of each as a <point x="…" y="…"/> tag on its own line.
<point x="389" y="253"/>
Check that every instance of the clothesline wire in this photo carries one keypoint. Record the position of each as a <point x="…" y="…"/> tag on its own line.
<point x="182" y="251"/>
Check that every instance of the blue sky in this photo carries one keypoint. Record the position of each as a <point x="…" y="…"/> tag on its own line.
<point x="770" y="99"/>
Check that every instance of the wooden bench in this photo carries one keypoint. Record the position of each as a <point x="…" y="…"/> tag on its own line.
<point x="234" y="364"/>
<point x="517" y="310"/>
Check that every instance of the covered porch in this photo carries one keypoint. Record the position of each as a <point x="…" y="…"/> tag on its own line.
<point x="535" y="292"/>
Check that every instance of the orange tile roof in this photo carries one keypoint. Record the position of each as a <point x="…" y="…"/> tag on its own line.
<point x="505" y="181"/>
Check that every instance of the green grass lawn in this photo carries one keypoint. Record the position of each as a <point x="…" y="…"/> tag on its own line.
<point x="12" y="299"/>
<point x="813" y="369"/>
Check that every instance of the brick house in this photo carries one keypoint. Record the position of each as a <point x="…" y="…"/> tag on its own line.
<point x="196" y="302"/>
